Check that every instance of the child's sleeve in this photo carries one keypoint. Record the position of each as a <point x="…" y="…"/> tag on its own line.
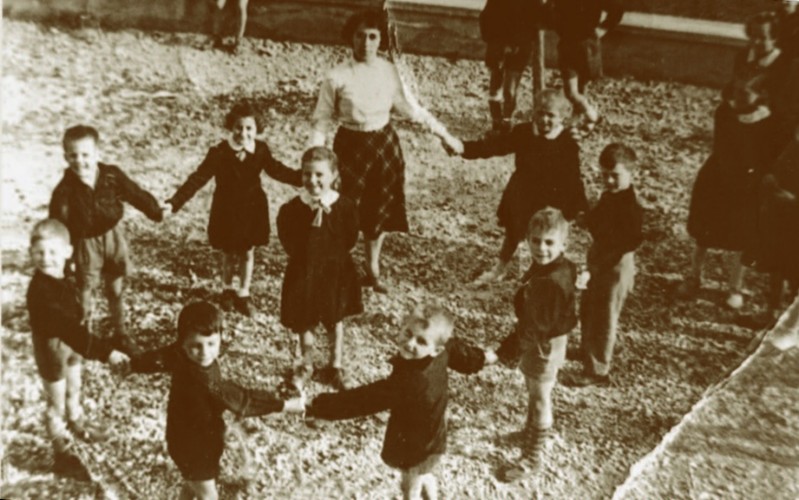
<point x="278" y="170"/>
<point x="493" y="145"/>
<point x="157" y="360"/>
<point x="287" y="229"/>
<point x="245" y="402"/>
<point x="53" y="319"/>
<point x="195" y="181"/>
<point x="324" y="113"/>
<point x="575" y="200"/>
<point x="59" y="206"/>
<point x="614" y="11"/>
<point x="464" y="357"/>
<point x="140" y="199"/>
<point x="361" y="401"/>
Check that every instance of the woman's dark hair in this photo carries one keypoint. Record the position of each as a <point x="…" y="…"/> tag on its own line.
<point x="370" y="19"/>
<point x="243" y="109"/>
<point x="321" y="153"/>
<point x="199" y="318"/>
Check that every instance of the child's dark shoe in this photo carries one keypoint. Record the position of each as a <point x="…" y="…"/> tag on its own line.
<point x="334" y="377"/>
<point x="243" y="305"/>
<point x="585" y="379"/>
<point x="67" y="464"/>
<point x="88" y="431"/>
<point x="227" y="299"/>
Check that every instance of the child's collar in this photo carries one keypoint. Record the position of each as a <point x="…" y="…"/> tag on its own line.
<point x="553" y="134"/>
<point x="249" y="147"/>
<point x="325" y="201"/>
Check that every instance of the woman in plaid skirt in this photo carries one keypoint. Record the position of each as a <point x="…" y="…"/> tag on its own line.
<point x="359" y="95"/>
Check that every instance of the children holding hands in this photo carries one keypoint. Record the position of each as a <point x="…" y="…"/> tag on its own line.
<point x="318" y="229"/>
<point x="61" y="340"/>
<point x="416" y="393"/>
<point x="198" y="397"/>
<point x="239" y="218"/>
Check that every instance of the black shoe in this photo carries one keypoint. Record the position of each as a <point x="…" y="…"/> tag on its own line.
<point x="67" y="464"/>
<point x="244" y="306"/>
<point x="334" y="377"/>
<point x="227" y="300"/>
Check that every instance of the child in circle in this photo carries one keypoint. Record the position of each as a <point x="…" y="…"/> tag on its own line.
<point x="90" y="200"/>
<point x="416" y="394"/>
<point x="615" y="224"/>
<point x="580" y="28"/>
<point x="318" y="230"/>
<point x="508" y="28"/>
<point x="545" y="308"/>
<point x="198" y="396"/>
<point x="239" y="218"/>
<point x="547" y="173"/>
<point x="723" y="208"/>
<point x="60" y="342"/>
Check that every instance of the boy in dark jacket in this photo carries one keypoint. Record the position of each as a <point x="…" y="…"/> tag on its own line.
<point x="61" y="341"/>
<point x="199" y="396"/>
<point x="416" y="393"/>
<point x="90" y="200"/>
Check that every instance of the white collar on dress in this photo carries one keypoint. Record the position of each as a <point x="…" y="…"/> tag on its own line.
<point x="249" y="147"/>
<point x="320" y="204"/>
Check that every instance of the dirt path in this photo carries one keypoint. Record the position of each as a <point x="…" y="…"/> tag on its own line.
<point x="159" y="100"/>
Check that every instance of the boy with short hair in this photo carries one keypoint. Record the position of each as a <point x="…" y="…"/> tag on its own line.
<point x="198" y="396"/>
<point x="416" y="393"/>
<point x="545" y="309"/>
<point x="615" y="224"/>
<point x="61" y="341"/>
<point x="89" y="201"/>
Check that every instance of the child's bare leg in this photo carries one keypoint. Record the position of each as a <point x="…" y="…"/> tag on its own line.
<point x="581" y="103"/>
<point x="229" y="264"/>
<point x="114" y="291"/>
<point x="203" y="490"/>
<point x="74" y="381"/>
<point x="242" y="20"/>
<point x="335" y="334"/>
<point x="735" y="282"/>
<point x="411" y="485"/>
<point x="87" y="304"/>
<point x="693" y="280"/>
<point x="512" y="79"/>
<point x="429" y="486"/>
<point x="539" y="414"/>
<point x="54" y="416"/>
<point x="307" y="347"/>
<point x="246" y="266"/>
<point x="186" y="493"/>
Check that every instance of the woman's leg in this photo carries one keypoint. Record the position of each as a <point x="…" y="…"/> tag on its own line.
<point x="217" y="21"/>
<point x="229" y="264"/>
<point x="241" y="20"/>
<point x="512" y="79"/>
<point x="335" y="334"/>
<point x="186" y="493"/>
<point x="495" y="97"/>
<point x="735" y="283"/>
<point x="373" y="249"/>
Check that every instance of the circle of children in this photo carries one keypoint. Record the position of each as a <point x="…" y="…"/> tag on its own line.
<point x="747" y="187"/>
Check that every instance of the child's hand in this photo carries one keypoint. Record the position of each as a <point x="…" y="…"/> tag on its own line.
<point x="295" y="405"/>
<point x="120" y="363"/>
<point x="452" y="145"/>
<point x="582" y="279"/>
<point x="490" y="357"/>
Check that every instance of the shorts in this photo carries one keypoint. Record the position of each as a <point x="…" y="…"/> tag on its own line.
<point x="426" y="466"/>
<point x="104" y="256"/>
<point x="508" y="57"/>
<point x="581" y="59"/>
<point x="53" y="357"/>
<point x="541" y="360"/>
<point x="198" y="466"/>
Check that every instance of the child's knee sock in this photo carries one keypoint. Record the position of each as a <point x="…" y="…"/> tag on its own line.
<point x="116" y="306"/>
<point x="736" y="267"/>
<point x="74" y="409"/>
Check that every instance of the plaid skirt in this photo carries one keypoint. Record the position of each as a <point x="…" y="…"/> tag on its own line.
<point x="373" y="176"/>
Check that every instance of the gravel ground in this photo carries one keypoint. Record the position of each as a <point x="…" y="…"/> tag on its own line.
<point x="159" y="100"/>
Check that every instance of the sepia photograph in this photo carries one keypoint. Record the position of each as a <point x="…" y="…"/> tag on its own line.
<point x="400" y="249"/>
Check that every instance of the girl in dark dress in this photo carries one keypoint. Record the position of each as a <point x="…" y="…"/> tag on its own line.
<point x="318" y="229"/>
<point x="239" y="219"/>
<point x="724" y="198"/>
<point x="416" y="394"/>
